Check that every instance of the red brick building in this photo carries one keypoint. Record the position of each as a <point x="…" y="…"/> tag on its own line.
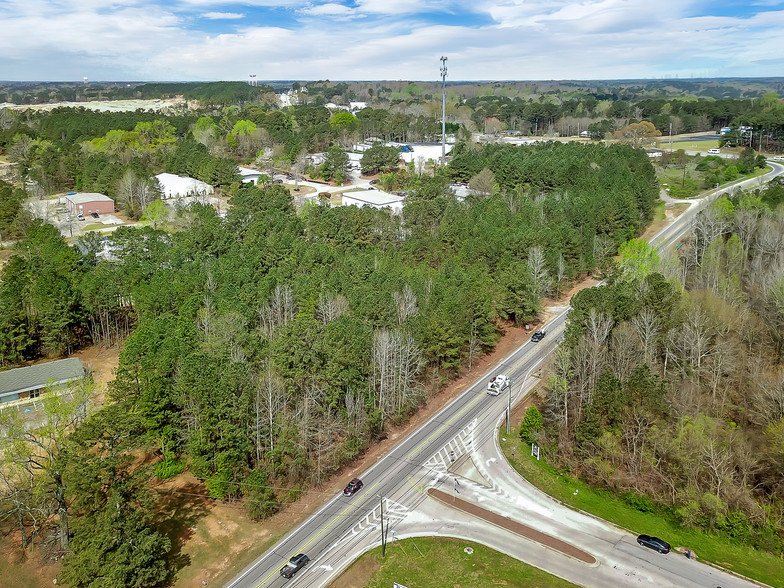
<point x="88" y="203"/>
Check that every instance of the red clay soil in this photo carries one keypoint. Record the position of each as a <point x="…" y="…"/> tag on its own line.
<point x="513" y="526"/>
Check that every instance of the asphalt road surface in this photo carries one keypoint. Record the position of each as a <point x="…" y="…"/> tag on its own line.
<point x="456" y="451"/>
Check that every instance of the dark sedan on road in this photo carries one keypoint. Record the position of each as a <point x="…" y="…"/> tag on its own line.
<point x="294" y="565"/>
<point x="353" y="487"/>
<point x="538" y="336"/>
<point x="659" y="545"/>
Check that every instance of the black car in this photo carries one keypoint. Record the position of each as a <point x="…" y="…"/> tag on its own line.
<point x="659" y="545"/>
<point x="353" y="487"/>
<point x="538" y="336"/>
<point x="295" y="564"/>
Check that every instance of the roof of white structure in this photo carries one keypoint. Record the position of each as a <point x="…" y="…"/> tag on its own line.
<point x="174" y="185"/>
<point x="84" y="197"/>
<point x="373" y="197"/>
<point x="246" y="171"/>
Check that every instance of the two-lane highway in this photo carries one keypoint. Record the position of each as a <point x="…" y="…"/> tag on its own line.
<point x="345" y="524"/>
<point x="345" y="527"/>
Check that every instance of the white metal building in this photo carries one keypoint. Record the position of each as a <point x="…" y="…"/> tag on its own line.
<point x="374" y="198"/>
<point x="174" y="186"/>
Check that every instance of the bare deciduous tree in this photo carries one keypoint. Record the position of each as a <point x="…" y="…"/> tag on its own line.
<point x="538" y="268"/>
<point x="330" y="306"/>
<point x="280" y="309"/>
<point x="483" y="183"/>
<point x="626" y="351"/>
<point x="647" y="325"/>
<point x="406" y="302"/>
<point x="396" y="363"/>
<point x="268" y="405"/>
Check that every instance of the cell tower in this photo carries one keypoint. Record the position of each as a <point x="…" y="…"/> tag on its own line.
<point x="252" y="81"/>
<point x="443" y="111"/>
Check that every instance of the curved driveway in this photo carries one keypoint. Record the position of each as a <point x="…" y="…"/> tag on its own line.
<point x="455" y="451"/>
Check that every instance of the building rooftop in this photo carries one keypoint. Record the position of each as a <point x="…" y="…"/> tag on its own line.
<point x="85" y="197"/>
<point x="173" y="185"/>
<point x="40" y="375"/>
<point x="374" y="197"/>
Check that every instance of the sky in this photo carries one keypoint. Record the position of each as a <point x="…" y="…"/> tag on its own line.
<point x="204" y="40"/>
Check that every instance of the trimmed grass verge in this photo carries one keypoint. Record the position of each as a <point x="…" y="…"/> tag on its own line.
<point x="435" y="562"/>
<point x="733" y="556"/>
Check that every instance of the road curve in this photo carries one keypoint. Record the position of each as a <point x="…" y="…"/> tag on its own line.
<point x="464" y="429"/>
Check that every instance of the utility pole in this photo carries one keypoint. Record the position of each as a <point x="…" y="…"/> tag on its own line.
<point x="383" y="539"/>
<point x="443" y="110"/>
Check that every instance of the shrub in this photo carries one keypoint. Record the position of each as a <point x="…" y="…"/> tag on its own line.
<point x="169" y="468"/>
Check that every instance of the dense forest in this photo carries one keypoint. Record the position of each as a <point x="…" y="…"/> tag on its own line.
<point x="669" y="388"/>
<point x="266" y="348"/>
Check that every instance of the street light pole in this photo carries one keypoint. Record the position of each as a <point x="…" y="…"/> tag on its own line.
<point x="443" y="110"/>
<point x="383" y="541"/>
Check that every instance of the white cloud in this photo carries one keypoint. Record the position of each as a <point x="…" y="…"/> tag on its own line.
<point x="328" y="9"/>
<point x="484" y="39"/>
<point x="222" y="15"/>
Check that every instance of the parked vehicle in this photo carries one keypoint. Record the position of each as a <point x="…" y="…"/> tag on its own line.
<point x="538" y="336"/>
<point x="80" y="217"/>
<point x="497" y="384"/>
<point x="659" y="545"/>
<point x="294" y="565"/>
<point x="714" y="151"/>
<point x="95" y="215"/>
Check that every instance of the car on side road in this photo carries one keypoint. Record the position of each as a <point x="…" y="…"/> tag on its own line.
<point x="353" y="487"/>
<point x="659" y="545"/>
<point x="294" y="565"/>
<point x="714" y="151"/>
<point x="538" y="336"/>
<point x="497" y="384"/>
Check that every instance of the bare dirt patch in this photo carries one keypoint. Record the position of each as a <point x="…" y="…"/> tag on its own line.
<point x="25" y="569"/>
<point x="102" y="363"/>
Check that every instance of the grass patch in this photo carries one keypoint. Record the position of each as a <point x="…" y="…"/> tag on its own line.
<point x="435" y="562"/>
<point x="678" y="183"/>
<point x="688" y="145"/>
<point x="739" y="558"/>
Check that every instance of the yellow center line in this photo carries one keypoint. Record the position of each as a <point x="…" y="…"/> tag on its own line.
<point x="525" y="357"/>
<point x="321" y="532"/>
<point x="416" y="450"/>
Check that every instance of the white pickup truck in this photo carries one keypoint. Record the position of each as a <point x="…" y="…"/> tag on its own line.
<point x="497" y="385"/>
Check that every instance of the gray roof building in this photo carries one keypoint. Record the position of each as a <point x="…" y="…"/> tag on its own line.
<point x="20" y="382"/>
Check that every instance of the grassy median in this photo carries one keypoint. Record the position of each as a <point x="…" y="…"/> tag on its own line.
<point x="721" y="551"/>
<point x="436" y="562"/>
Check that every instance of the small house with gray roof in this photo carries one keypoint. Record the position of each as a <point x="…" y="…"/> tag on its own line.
<point x="27" y="382"/>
